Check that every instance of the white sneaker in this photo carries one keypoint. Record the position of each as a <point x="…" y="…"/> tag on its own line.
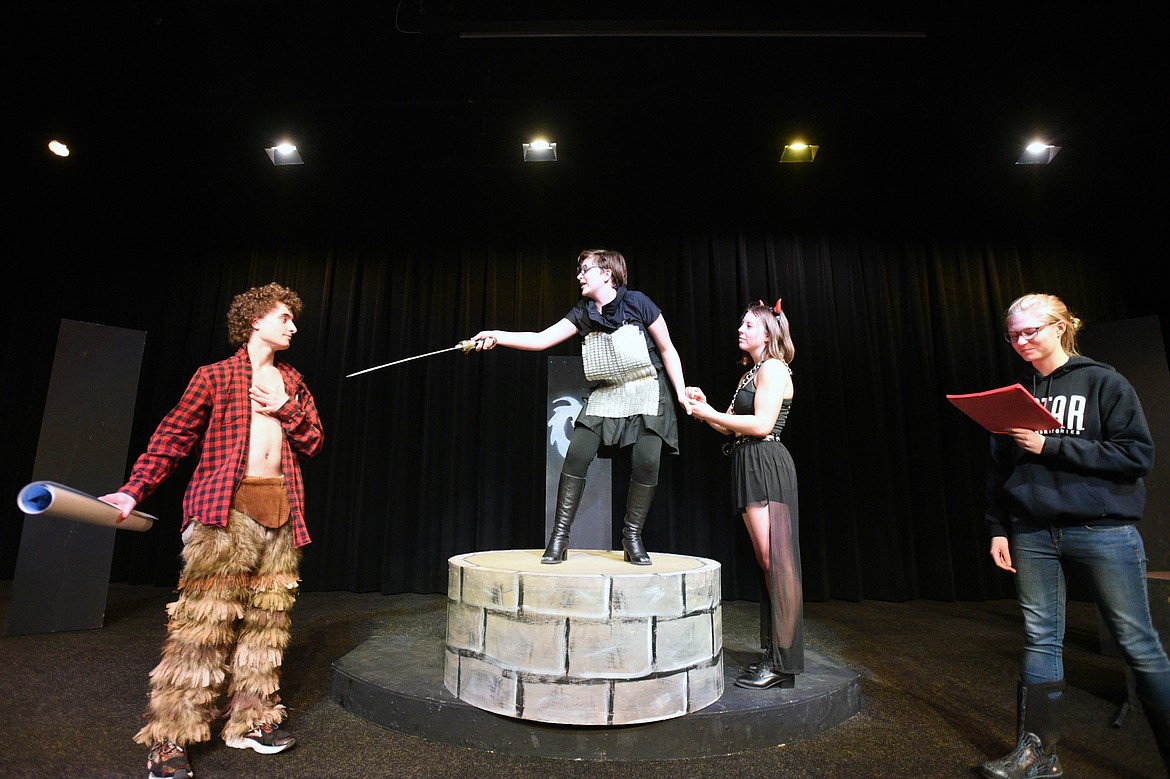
<point x="267" y="739"/>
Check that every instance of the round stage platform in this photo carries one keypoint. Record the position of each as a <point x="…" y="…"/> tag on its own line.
<point x="592" y="640"/>
<point x="402" y="682"/>
<point x="397" y="682"/>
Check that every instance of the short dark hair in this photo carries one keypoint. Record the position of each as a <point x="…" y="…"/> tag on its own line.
<point x="606" y="258"/>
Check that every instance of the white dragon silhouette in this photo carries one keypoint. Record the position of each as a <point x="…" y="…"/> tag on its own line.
<point x="565" y="411"/>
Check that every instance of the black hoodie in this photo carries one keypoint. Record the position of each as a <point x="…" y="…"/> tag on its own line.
<point x="1090" y="469"/>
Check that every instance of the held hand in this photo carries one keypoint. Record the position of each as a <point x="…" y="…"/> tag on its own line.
<point x="121" y="501"/>
<point x="485" y="340"/>
<point x="695" y="393"/>
<point x="687" y="404"/>
<point x="1001" y="555"/>
<point x="1028" y="440"/>
<point x="267" y="400"/>
<point x="700" y="409"/>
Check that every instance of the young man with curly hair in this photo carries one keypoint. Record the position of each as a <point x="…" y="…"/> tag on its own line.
<point x="252" y="419"/>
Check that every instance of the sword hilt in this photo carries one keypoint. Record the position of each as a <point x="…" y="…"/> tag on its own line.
<point x="467" y="345"/>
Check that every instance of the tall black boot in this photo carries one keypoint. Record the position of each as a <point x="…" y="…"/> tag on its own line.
<point x="568" y="498"/>
<point x="637" y="507"/>
<point x="1038" y="714"/>
<point x="1159" y="723"/>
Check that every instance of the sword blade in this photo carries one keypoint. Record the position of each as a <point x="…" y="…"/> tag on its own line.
<point x="462" y="345"/>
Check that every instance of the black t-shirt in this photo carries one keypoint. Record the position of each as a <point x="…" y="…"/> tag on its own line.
<point x="628" y="307"/>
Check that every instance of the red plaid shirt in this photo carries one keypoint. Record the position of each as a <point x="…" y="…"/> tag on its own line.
<point x="216" y="410"/>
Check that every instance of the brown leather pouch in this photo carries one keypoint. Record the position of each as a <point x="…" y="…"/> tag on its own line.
<point x="263" y="499"/>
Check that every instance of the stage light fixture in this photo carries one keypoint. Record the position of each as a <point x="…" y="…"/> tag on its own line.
<point x="59" y="148"/>
<point x="540" y="151"/>
<point x="284" y="154"/>
<point x="799" y="151"/>
<point x="1038" y="153"/>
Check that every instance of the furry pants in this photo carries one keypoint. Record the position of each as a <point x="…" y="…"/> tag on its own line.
<point x="232" y="618"/>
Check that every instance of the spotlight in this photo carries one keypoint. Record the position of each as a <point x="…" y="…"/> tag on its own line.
<point x="284" y="154"/>
<point x="1038" y="153"/>
<point x="799" y="151"/>
<point x="58" y="148"/>
<point x="540" y="151"/>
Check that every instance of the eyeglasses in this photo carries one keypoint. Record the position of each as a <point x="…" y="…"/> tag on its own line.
<point x="585" y="269"/>
<point x="1028" y="333"/>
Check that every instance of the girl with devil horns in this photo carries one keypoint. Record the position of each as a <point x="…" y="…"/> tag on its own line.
<point x="765" y="488"/>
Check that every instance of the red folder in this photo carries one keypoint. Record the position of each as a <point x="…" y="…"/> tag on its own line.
<point x="999" y="410"/>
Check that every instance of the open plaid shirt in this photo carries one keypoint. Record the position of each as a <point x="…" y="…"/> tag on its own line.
<point x="215" y="410"/>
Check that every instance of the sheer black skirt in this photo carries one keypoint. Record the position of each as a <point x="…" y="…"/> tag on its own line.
<point x="766" y="476"/>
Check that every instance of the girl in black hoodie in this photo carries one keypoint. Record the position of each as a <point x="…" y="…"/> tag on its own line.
<point x="1069" y="498"/>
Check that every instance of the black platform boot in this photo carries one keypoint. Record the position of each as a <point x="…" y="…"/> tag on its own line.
<point x="568" y="498"/>
<point x="765" y="624"/>
<point x="1038" y="713"/>
<point x="764" y="675"/>
<point x="637" y="507"/>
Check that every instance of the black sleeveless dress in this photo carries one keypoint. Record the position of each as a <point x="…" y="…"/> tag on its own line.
<point x="764" y="470"/>
<point x="766" y="476"/>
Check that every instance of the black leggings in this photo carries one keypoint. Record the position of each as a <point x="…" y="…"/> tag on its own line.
<point x="644" y="458"/>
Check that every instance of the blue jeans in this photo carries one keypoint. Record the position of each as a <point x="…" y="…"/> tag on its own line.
<point x="1113" y="559"/>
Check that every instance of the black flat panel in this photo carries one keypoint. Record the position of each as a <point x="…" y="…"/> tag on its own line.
<point x="63" y="568"/>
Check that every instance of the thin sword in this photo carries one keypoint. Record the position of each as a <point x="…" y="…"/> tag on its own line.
<point x="465" y="346"/>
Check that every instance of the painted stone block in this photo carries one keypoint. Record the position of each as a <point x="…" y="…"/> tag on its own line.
<point x="589" y="641"/>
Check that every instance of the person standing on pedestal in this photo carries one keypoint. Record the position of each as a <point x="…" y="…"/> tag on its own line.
<point x="626" y="347"/>
<point x="765" y="488"/>
<point x="252" y="419"/>
<point x="1069" y="498"/>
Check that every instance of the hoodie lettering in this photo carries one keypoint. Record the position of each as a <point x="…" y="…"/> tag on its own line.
<point x="1070" y="410"/>
<point x="1056" y="406"/>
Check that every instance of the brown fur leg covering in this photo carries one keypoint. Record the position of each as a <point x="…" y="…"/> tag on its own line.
<point x="264" y="635"/>
<point x="186" y="684"/>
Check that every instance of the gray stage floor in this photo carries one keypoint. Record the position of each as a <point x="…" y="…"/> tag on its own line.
<point x="937" y="697"/>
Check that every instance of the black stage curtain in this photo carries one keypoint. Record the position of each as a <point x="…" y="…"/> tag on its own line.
<point x="444" y="455"/>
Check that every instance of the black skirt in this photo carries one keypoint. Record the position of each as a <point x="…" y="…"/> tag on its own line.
<point x="764" y="472"/>
<point x="620" y="432"/>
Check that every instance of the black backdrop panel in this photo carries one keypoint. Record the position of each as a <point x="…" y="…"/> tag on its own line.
<point x="1135" y="348"/>
<point x="567" y="389"/>
<point x="63" y="568"/>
